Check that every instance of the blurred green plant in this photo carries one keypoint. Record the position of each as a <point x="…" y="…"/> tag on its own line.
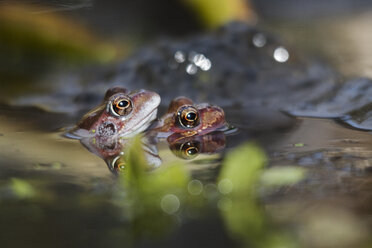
<point x="21" y="188"/>
<point x="214" y="13"/>
<point x="32" y="43"/>
<point x="152" y="199"/>
<point x="22" y="29"/>
<point x="282" y="176"/>
<point x="240" y="180"/>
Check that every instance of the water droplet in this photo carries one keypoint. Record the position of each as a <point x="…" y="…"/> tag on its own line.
<point x="195" y="187"/>
<point x="170" y="203"/>
<point x="198" y="59"/>
<point x="259" y="40"/>
<point x="191" y="69"/>
<point x="225" y="186"/>
<point x="206" y="65"/>
<point x="202" y="62"/>
<point x="179" y="56"/>
<point x="281" y="54"/>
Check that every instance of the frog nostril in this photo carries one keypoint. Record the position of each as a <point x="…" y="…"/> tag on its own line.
<point x="107" y="129"/>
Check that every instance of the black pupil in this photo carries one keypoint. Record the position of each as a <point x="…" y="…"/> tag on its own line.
<point x="191" y="116"/>
<point x="192" y="151"/>
<point x="123" y="103"/>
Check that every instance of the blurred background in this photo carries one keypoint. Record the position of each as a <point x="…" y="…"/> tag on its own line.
<point x="53" y="192"/>
<point x="70" y="34"/>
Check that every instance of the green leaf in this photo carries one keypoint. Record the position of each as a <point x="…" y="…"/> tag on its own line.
<point x="169" y="178"/>
<point x="241" y="169"/>
<point x="214" y="13"/>
<point x="282" y="176"/>
<point x="21" y="188"/>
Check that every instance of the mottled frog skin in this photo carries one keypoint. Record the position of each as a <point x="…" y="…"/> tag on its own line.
<point x="121" y="114"/>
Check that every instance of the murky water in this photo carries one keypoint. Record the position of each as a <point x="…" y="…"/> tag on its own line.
<point x="70" y="201"/>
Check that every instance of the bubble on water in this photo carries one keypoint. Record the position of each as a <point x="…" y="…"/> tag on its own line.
<point x="198" y="58"/>
<point x="281" y="54"/>
<point x="206" y="65"/>
<point x="195" y="187"/>
<point x="170" y="204"/>
<point x="259" y="40"/>
<point x="202" y="62"/>
<point x="180" y="57"/>
<point x="191" y="69"/>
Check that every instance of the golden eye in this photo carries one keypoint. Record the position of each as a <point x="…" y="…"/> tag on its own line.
<point x="188" y="116"/>
<point x="189" y="150"/>
<point x="119" y="166"/>
<point x="121" y="106"/>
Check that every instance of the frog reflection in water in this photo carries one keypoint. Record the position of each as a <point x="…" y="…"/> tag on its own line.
<point x="112" y="151"/>
<point x="122" y="114"/>
<point x="189" y="147"/>
<point x="186" y="119"/>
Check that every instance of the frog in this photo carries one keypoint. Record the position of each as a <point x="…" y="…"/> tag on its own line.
<point x="123" y="113"/>
<point x="184" y="118"/>
<point x="189" y="148"/>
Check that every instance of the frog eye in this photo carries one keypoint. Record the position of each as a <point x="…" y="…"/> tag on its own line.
<point x="189" y="150"/>
<point x="118" y="164"/>
<point x="121" y="106"/>
<point x="188" y="116"/>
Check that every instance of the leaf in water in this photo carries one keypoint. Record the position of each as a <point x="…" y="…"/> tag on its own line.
<point x="135" y="164"/>
<point x="282" y="176"/>
<point x="150" y="194"/>
<point x="244" y="217"/>
<point x="166" y="178"/>
<point x="21" y="188"/>
<point x="242" y="169"/>
<point x="299" y="145"/>
<point x="169" y="178"/>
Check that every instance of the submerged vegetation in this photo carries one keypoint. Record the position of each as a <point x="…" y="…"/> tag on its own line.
<point x="156" y="199"/>
<point x="154" y="202"/>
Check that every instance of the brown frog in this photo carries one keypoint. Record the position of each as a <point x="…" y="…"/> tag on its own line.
<point x="122" y="113"/>
<point x="185" y="119"/>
